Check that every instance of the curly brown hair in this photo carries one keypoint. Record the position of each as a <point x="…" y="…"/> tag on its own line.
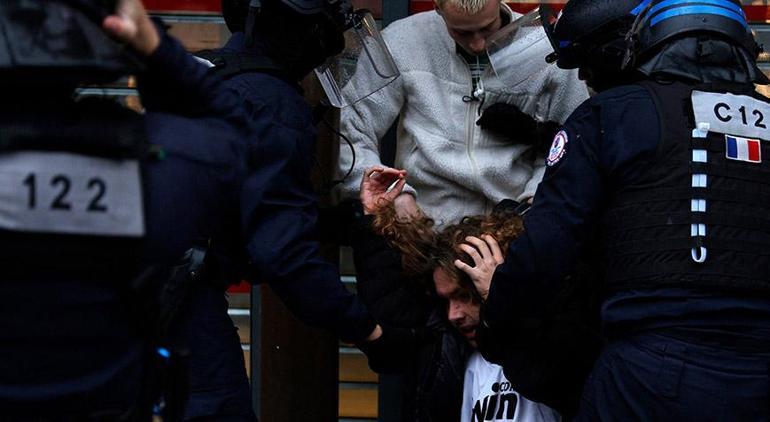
<point x="423" y="249"/>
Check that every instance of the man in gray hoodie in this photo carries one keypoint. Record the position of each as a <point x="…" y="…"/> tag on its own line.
<point x="457" y="167"/>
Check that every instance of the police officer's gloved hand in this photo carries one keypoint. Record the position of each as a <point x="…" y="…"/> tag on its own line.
<point x="391" y="350"/>
<point x="510" y="208"/>
<point x="340" y="223"/>
<point x="508" y="121"/>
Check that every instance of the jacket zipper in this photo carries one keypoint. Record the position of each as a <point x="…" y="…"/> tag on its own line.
<point x="469" y="125"/>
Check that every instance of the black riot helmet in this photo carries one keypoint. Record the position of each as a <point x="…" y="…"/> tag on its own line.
<point x="59" y="42"/>
<point x="236" y="12"/>
<point x="590" y="32"/>
<point x="663" y="21"/>
<point x="301" y="34"/>
<point x="591" y="35"/>
<point x="240" y="15"/>
<point x="700" y="40"/>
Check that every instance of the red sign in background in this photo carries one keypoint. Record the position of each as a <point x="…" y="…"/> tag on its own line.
<point x="416" y="6"/>
<point x="203" y="6"/>
<point x="755" y="13"/>
<point x="214" y="6"/>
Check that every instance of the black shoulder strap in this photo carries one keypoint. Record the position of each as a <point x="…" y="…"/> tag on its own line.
<point x="671" y="112"/>
<point x="228" y="65"/>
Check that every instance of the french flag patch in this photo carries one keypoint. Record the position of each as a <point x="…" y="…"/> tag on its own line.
<point x="742" y="149"/>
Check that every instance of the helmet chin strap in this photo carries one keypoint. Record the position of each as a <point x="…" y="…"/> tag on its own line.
<point x="631" y="36"/>
<point x="254" y="8"/>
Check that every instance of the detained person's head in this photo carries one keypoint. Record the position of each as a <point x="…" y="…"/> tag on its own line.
<point x="428" y="256"/>
<point x="453" y="286"/>
<point x="470" y="22"/>
<point x="463" y="308"/>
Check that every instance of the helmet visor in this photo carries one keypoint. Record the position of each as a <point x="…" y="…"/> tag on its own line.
<point x="364" y="67"/>
<point x="548" y="18"/>
<point x="566" y="53"/>
<point x="519" y="48"/>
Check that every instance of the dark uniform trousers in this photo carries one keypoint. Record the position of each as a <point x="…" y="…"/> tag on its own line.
<point x="655" y="377"/>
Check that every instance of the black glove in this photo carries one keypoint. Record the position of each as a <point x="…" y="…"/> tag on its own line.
<point x="508" y="121"/>
<point x="392" y="352"/>
<point x="510" y="208"/>
<point x="338" y="224"/>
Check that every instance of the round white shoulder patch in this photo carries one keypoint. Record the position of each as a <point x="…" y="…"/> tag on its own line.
<point x="558" y="148"/>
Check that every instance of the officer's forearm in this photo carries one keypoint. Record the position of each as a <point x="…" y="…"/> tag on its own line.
<point x="175" y="82"/>
<point x="318" y="298"/>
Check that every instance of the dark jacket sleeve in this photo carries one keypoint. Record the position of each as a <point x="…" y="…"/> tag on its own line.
<point x="279" y="211"/>
<point x="564" y="217"/>
<point x="381" y="286"/>
<point x="523" y="325"/>
<point x="175" y="82"/>
<point x="564" y="207"/>
<point x="200" y="132"/>
<point x="540" y="319"/>
<point x="391" y="298"/>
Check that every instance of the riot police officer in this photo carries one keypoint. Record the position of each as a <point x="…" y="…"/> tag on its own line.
<point x="94" y="195"/>
<point x="663" y="170"/>
<point x="275" y="43"/>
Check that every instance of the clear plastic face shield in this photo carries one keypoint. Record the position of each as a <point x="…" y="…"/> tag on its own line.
<point x="567" y="54"/>
<point x="364" y="67"/>
<point x="518" y="50"/>
<point x="548" y="18"/>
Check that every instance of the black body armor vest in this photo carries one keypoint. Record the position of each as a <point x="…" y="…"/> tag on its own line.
<point x="73" y="197"/>
<point x="700" y="217"/>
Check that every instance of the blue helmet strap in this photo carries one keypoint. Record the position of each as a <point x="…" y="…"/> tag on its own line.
<point x="632" y="35"/>
<point x="642" y="8"/>
<point x="673" y="8"/>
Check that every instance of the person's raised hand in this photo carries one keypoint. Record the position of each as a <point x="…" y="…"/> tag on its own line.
<point x="376" y="191"/>
<point x="131" y="25"/>
<point x="486" y="255"/>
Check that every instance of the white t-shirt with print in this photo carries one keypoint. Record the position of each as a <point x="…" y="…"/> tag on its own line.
<point x="488" y="396"/>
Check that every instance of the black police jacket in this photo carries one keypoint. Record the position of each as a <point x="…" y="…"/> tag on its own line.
<point x="71" y="344"/>
<point x="608" y="144"/>
<point x="279" y="206"/>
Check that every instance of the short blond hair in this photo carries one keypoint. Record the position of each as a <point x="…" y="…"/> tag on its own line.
<point x="470" y="7"/>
